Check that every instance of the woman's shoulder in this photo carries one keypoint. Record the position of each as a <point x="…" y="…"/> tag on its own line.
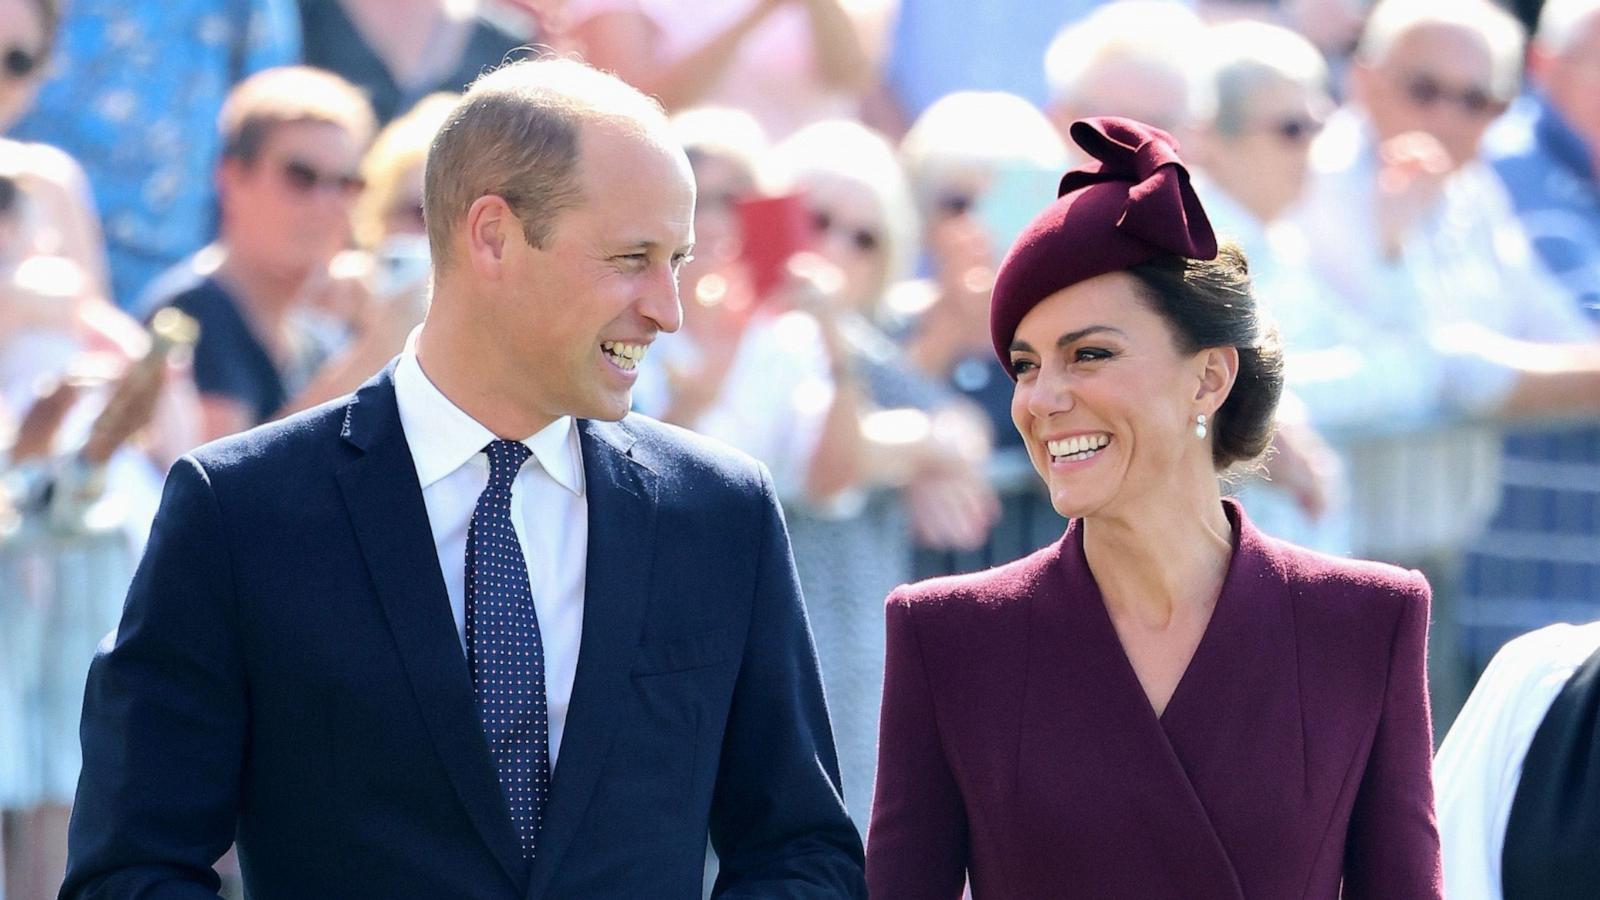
<point x="984" y="593"/>
<point x="1342" y="586"/>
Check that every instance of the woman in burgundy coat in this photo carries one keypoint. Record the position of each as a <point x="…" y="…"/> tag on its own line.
<point x="1166" y="704"/>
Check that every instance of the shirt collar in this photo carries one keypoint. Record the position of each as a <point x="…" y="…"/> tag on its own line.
<point x="443" y="437"/>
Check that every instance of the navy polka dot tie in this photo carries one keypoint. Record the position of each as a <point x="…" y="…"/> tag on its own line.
<point x="504" y="650"/>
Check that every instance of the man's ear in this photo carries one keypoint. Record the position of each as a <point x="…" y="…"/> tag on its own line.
<point x="490" y="228"/>
<point x="1218" y="367"/>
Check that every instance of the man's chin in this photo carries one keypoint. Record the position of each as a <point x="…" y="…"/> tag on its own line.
<point x="609" y="409"/>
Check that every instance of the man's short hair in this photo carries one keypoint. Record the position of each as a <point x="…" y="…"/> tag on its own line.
<point x="1500" y="31"/>
<point x="290" y="95"/>
<point x="514" y="134"/>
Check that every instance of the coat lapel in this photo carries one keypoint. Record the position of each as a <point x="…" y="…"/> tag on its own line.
<point x="385" y="504"/>
<point x="1108" y="784"/>
<point x="621" y="494"/>
<point x="1243" y="682"/>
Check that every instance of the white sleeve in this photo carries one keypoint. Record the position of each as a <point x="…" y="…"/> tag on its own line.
<point x="775" y="398"/>
<point x="1480" y="762"/>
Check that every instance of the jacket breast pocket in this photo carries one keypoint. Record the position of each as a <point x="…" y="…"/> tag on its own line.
<point x="687" y="652"/>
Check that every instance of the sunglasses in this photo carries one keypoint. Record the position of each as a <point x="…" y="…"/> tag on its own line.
<point x="1294" y="129"/>
<point x="954" y="205"/>
<point x="865" y="240"/>
<point x="304" y="178"/>
<point x="19" y="63"/>
<point x="1427" y="92"/>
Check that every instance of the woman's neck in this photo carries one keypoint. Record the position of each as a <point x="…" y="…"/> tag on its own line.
<point x="1166" y="556"/>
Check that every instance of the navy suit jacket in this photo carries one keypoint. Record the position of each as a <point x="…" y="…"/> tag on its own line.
<point x="287" y="672"/>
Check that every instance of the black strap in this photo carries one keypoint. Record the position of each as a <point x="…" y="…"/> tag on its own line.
<point x="1552" y="849"/>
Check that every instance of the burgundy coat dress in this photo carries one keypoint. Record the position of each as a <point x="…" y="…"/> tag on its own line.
<point x="1019" y="750"/>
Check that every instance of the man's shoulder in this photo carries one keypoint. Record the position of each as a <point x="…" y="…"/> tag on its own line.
<point x="678" y="453"/>
<point x="299" y="443"/>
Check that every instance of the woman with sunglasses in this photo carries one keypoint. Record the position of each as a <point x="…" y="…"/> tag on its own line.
<point x="1166" y="702"/>
<point x="263" y="291"/>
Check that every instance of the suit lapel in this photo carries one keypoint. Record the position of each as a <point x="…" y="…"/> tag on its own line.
<point x="391" y="523"/>
<point x="621" y="494"/>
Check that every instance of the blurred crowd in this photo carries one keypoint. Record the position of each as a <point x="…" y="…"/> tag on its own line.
<point x="211" y="217"/>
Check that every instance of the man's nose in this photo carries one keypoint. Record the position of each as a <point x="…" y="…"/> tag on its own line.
<point x="660" y="303"/>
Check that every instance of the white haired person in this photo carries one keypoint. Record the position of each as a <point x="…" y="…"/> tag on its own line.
<point x="899" y="453"/>
<point x="977" y="161"/>
<point x="1136" y="58"/>
<point x="1417" y="236"/>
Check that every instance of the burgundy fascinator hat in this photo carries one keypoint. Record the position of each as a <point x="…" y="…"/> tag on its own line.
<point x="1134" y="206"/>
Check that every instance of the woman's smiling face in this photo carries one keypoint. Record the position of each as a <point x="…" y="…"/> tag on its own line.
<point x="1105" y="400"/>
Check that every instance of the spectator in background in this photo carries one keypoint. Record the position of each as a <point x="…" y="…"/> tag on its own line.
<point x="978" y="162"/>
<point x="74" y="501"/>
<point x="1546" y="147"/>
<point x="63" y="224"/>
<point x="391" y="203"/>
<point x="1540" y="560"/>
<point x="1134" y="58"/>
<point x="786" y="62"/>
<point x="133" y="94"/>
<point x="939" y="48"/>
<point x="1334" y="27"/>
<point x="957" y="154"/>
<point x="748" y="370"/>
<point x="292" y="144"/>
<point x="1271" y="99"/>
<point x="1416" y="235"/>
<point x="399" y="53"/>
<point x="899" y="454"/>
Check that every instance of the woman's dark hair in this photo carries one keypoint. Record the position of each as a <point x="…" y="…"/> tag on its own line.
<point x="1208" y="303"/>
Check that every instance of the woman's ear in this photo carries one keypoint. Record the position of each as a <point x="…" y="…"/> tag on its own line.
<point x="1218" y="367"/>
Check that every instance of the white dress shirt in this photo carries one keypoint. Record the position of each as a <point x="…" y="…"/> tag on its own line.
<point x="1479" y="765"/>
<point x="549" y="511"/>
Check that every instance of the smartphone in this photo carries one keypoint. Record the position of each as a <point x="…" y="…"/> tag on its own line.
<point x="771" y="230"/>
<point x="402" y="266"/>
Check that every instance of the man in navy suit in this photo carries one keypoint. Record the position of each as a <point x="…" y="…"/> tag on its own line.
<point x="475" y="632"/>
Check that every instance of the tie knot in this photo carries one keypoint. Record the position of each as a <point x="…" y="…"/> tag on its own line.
<point x="505" y="459"/>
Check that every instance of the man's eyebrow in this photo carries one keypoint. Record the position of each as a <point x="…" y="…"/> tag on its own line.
<point x="1071" y="337"/>
<point x="648" y="245"/>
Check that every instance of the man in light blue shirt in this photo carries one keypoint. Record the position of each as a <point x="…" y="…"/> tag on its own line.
<point x="1540" y="560"/>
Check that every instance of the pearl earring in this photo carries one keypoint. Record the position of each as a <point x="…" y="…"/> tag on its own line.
<point x="1200" y="426"/>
